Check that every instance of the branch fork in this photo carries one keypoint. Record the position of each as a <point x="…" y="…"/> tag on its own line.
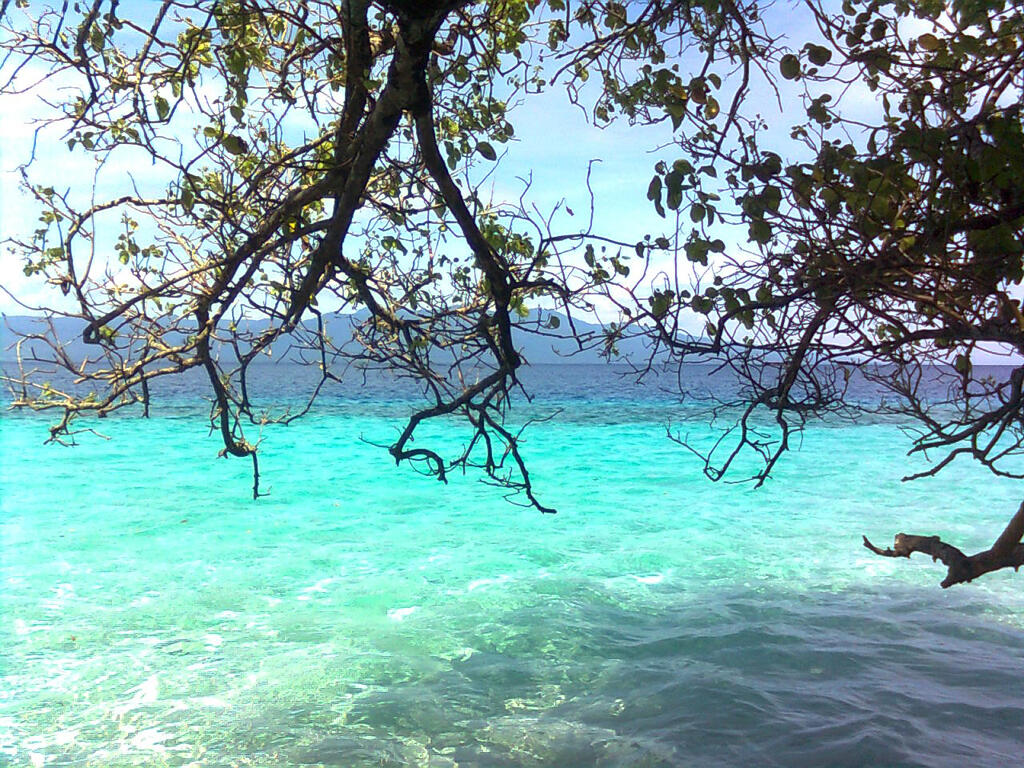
<point x="1006" y="552"/>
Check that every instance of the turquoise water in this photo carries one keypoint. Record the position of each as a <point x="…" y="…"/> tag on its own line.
<point x="153" y="614"/>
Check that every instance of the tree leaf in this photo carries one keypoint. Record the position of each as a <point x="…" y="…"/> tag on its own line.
<point x="234" y="144"/>
<point x="162" y="107"/>
<point x="654" y="189"/>
<point x="485" y="149"/>
<point x="789" y="66"/>
<point x="818" y="55"/>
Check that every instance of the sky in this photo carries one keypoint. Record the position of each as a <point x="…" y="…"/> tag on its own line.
<point x="554" y="146"/>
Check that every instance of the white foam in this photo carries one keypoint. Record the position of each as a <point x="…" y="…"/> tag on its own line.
<point x="476" y="584"/>
<point x="150" y="739"/>
<point x="214" y="702"/>
<point x="320" y="586"/>
<point x="400" y="614"/>
<point x="655" y="579"/>
<point x="145" y="693"/>
<point x="21" y="627"/>
<point x="61" y="594"/>
<point x="306" y="593"/>
<point x="65" y="737"/>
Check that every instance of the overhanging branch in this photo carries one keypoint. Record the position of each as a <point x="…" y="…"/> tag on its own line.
<point x="1007" y="552"/>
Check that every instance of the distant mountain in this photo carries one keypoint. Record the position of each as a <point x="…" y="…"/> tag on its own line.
<point x="544" y="338"/>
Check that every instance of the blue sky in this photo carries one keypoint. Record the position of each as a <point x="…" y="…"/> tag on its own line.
<point x="554" y="146"/>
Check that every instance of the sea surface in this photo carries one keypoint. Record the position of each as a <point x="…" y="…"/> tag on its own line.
<point x="153" y="614"/>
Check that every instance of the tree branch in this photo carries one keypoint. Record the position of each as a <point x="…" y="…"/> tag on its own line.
<point x="1007" y="552"/>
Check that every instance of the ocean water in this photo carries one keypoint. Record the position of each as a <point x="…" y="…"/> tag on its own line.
<point x="363" y="615"/>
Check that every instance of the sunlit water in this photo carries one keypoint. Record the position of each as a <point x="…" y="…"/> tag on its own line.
<point x="153" y="614"/>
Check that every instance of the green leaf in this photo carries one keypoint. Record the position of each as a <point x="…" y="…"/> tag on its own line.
<point x="235" y="145"/>
<point x="674" y="182"/>
<point x="162" y="107"/>
<point x="660" y="302"/>
<point x="697" y="251"/>
<point x="789" y="66"/>
<point x="96" y="38"/>
<point x="818" y="55"/>
<point x="760" y="231"/>
<point x="485" y="149"/>
<point x="654" y="189"/>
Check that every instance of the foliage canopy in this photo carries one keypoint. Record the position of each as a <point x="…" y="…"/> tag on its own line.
<point x="324" y="156"/>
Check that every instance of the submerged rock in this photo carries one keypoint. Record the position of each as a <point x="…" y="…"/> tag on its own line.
<point x="546" y="740"/>
<point x="543" y="741"/>
<point x="357" y="751"/>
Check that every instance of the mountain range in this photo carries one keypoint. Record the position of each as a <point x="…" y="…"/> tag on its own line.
<point x="555" y="344"/>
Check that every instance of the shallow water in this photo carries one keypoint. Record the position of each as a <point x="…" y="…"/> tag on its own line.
<point x="152" y="614"/>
